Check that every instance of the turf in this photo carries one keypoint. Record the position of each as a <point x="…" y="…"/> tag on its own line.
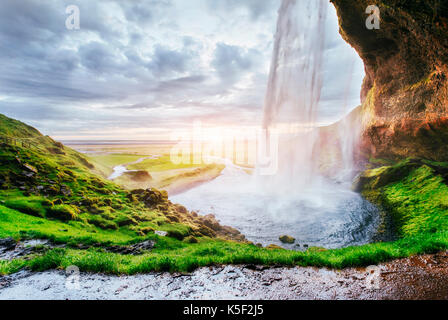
<point x="52" y="192"/>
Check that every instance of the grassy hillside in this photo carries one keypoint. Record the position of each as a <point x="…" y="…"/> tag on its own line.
<point x="49" y="191"/>
<point x="412" y="193"/>
<point x="51" y="181"/>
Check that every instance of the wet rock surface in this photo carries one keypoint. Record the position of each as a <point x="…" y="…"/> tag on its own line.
<point x="405" y="91"/>
<point x="421" y="277"/>
<point x="10" y="249"/>
<point x="135" y="249"/>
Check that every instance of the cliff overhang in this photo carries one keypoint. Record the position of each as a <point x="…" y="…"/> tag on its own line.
<point x="405" y="91"/>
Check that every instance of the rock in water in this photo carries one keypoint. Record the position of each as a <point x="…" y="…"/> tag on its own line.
<point x="287" y="239"/>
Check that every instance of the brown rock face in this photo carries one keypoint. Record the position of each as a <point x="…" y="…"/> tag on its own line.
<point x="405" y="91"/>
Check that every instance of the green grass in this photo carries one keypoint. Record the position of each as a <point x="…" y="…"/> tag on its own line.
<point x="163" y="163"/>
<point x="207" y="172"/>
<point x="413" y="192"/>
<point x="418" y="202"/>
<point x="180" y="257"/>
<point x="113" y="160"/>
<point x="23" y="226"/>
<point x="66" y="202"/>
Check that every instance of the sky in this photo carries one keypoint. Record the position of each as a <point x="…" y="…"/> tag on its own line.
<point x="140" y="69"/>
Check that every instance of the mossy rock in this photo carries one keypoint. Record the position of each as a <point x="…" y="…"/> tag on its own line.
<point x="380" y="177"/>
<point x="287" y="239"/>
<point x="102" y="223"/>
<point x="172" y="218"/>
<point x="204" y="231"/>
<point x="63" y="212"/>
<point x="147" y="230"/>
<point x="28" y="207"/>
<point x="176" y="234"/>
<point x="191" y="239"/>
<point x="126" y="221"/>
<point x="274" y="247"/>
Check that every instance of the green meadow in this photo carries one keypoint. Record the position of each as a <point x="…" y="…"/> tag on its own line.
<point x="53" y="192"/>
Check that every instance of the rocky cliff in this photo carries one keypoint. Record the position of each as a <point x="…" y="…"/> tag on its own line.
<point x="405" y="91"/>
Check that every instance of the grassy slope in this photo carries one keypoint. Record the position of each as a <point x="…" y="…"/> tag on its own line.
<point x="173" y="255"/>
<point x="52" y="182"/>
<point x="416" y="196"/>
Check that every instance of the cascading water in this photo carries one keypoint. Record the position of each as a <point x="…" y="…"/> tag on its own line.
<point x="294" y="89"/>
<point x="297" y="200"/>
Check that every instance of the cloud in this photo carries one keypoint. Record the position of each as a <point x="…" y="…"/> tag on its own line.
<point x="143" y="63"/>
<point x="166" y="62"/>
<point x="255" y="8"/>
<point x="231" y="61"/>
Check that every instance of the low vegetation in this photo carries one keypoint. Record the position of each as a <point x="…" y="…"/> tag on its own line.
<point x="51" y="192"/>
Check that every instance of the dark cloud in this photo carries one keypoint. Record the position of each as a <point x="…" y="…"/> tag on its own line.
<point x="166" y="61"/>
<point x="98" y="57"/>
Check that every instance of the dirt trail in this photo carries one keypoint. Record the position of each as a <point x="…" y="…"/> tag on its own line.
<point x="422" y="277"/>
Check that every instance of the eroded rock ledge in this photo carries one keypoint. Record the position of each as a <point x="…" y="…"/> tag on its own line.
<point x="405" y="91"/>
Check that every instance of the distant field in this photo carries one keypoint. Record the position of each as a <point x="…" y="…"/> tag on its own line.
<point x="162" y="172"/>
<point x="163" y="163"/>
<point x="131" y="149"/>
<point x="112" y="160"/>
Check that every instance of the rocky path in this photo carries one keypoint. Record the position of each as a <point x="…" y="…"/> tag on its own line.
<point x="422" y="277"/>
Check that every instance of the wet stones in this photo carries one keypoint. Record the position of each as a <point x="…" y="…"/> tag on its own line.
<point x="211" y="222"/>
<point x="7" y="244"/>
<point x="161" y="233"/>
<point x="135" y="249"/>
<point x="10" y="249"/>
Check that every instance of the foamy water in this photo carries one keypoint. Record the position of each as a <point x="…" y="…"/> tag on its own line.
<point x="328" y="215"/>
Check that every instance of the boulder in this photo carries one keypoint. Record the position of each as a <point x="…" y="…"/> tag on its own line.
<point x="287" y="239"/>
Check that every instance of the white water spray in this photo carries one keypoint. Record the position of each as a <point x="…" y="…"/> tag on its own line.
<point x="294" y="88"/>
<point x="298" y="200"/>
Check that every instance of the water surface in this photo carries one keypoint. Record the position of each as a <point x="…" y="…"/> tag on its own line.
<point x="326" y="215"/>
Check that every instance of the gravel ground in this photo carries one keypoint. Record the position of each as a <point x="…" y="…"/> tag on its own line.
<point x="421" y="277"/>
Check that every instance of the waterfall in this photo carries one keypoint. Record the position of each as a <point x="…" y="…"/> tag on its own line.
<point x="301" y="199"/>
<point x="294" y="89"/>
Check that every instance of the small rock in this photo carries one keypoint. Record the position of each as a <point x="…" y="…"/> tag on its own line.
<point x="29" y="168"/>
<point x="273" y="246"/>
<point x="161" y="233"/>
<point x="287" y="239"/>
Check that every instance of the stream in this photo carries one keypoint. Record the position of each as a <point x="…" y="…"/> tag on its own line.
<point x="119" y="170"/>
